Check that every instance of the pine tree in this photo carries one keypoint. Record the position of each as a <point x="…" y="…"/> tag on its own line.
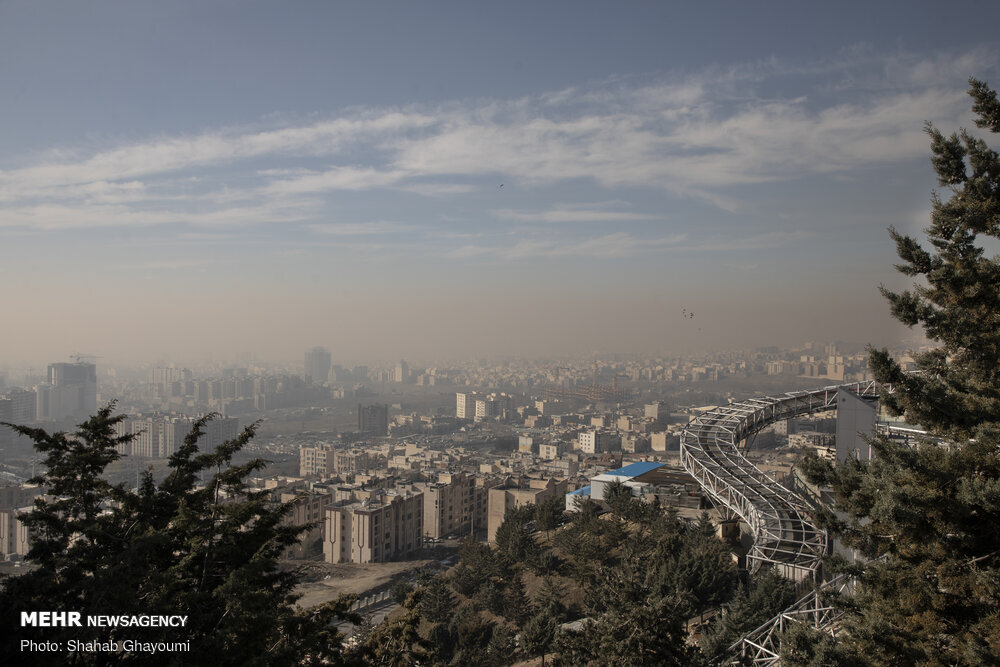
<point x="551" y="598"/>
<point x="619" y="499"/>
<point x="928" y="514"/>
<point x="175" y="549"/>
<point x="760" y="599"/>
<point x="549" y="513"/>
<point x="512" y="539"/>
<point x="538" y="634"/>
<point x="437" y="602"/>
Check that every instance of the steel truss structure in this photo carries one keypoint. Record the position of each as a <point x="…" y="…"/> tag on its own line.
<point x="784" y="533"/>
<point x="760" y="647"/>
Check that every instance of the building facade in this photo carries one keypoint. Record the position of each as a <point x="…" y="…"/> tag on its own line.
<point x="373" y="419"/>
<point x="374" y="531"/>
<point x="454" y="505"/>
<point x="317" y="365"/>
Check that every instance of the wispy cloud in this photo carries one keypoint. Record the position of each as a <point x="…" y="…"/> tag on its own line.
<point x="702" y="136"/>
<point x="66" y="216"/>
<point x="339" y="178"/>
<point x="572" y="213"/>
<point x="608" y="246"/>
<point x="623" y="244"/>
<point x="173" y="154"/>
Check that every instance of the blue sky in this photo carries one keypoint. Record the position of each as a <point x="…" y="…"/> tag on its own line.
<point x="186" y="179"/>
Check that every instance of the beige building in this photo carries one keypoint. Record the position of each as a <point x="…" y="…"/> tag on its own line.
<point x="453" y="505"/>
<point x="503" y="498"/>
<point x="14" y="541"/>
<point x="595" y="442"/>
<point x="664" y="441"/>
<point x="15" y="501"/>
<point x="324" y="460"/>
<point x="309" y="503"/>
<point x="465" y="405"/>
<point x="316" y="460"/>
<point x="633" y="443"/>
<point x="550" y="450"/>
<point x="373" y="531"/>
<point x="353" y="461"/>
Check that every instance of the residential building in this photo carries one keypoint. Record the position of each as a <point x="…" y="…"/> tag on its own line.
<point x="316" y="460"/>
<point x="596" y="442"/>
<point x="454" y="504"/>
<point x="373" y="531"/>
<point x="502" y="498"/>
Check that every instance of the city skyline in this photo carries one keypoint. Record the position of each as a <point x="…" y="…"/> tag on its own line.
<point x="189" y="181"/>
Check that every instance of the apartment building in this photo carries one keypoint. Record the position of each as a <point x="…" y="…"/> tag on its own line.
<point x="374" y="531"/>
<point x="454" y="504"/>
<point x="502" y="498"/>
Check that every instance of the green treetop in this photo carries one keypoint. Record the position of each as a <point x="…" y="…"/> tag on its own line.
<point x="924" y="518"/>
<point x="208" y="553"/>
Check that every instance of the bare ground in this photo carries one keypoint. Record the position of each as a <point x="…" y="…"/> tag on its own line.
<point x="323" y="582"/>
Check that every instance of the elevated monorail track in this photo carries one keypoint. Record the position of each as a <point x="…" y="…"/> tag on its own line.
<point x="784" y="533"/>
<point x="783" y="530"/>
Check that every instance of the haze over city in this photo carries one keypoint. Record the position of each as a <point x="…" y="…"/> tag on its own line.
<point x="189" y="180"/>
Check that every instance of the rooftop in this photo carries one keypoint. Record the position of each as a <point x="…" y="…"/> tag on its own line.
<point x="636" y="469"/>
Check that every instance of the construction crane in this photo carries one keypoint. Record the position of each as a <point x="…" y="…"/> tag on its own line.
<point x="78" y="357"/>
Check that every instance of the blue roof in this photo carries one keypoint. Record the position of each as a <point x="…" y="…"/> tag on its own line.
<point x="636" y="469"/>
<point x="583" y="491"/>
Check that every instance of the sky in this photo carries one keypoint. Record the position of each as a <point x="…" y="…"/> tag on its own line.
<point x="194" y="180"/>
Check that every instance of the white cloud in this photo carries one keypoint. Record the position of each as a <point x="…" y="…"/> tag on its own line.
<point x="173" y="154"/>
<point x="571" y="213"/>
<point x="608" y="246"/>
<point x="340" y="178"/>
<point x="700" y="136"/>
<point x="57" y="216"/>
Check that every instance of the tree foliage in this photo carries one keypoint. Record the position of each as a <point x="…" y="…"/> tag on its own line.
<point x="928" y="513"/>
<point x="513" y="539"/>
<point x="549" y="512"/>
<point x="760" y="599"/>
<point x="538" y="634"/>
<point x="209" y="553"/>
<point x="618" y="497"/>
<point x="396" y="642"/>
<point x="437" y="602"/>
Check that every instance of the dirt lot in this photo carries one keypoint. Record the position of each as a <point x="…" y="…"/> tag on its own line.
<point x="354" y="578"/>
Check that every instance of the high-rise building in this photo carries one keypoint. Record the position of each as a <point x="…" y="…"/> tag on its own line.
<point x="465" y="405"/>
<point x="373" y="419"/>
<point x="160" y="436"/>
<point x="22" y="405"/>
<point x="316" y="460"/>
<point x="401" y="373"/>
<point x="71" y="391"/>
<point x="317" y="365"/>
